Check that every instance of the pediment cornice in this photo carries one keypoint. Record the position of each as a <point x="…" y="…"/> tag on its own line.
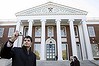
<point x="51" y="8"/>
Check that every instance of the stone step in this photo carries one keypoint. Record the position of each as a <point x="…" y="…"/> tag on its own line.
<point x="53" y="63"/>
<point x="87" y="63"/>
<point x="6" y="62"/>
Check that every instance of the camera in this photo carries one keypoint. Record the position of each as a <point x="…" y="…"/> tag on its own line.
<point x="20" y="34"/>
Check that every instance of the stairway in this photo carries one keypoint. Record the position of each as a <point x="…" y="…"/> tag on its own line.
<point x="5" y="62"/>
<point x="53" y="63"/>
<point x="88" y="63"/>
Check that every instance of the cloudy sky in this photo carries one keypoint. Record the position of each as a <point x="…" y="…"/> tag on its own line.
<point x="8" y="8"/>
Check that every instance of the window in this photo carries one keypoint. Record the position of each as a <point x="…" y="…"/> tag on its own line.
<point x="11" y="31"/>
<point x="64" y="52"/>
<point x="25" y="31"/>
<point x="50" y="31"/>
<point x="79" y="51"/>
<point x="76" y="31"/>
<point x="37" y="50"/>
<point x="95" y="50"/>
<point x="63" y="31"/>
<point x="1" y="32"/>
<point x="91" y="31"/>
<point x="37" y="31"/>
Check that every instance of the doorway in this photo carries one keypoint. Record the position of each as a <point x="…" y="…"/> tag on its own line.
<point x="50" y="49"/>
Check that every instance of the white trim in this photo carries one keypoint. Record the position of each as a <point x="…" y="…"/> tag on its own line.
<point x="9" y="24"/>
<point x="51" y="17"/>
<point x="92" y="22"/>
<point x="8" y="20"/>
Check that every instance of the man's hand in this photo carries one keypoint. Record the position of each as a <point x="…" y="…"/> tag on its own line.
<point x="14" y="36"/>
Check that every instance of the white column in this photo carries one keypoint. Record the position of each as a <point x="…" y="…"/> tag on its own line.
<point x="43" y="21"/>
<point x="73" y="40"/>
<point x="82" y="42"/>
<point x="30" y="27"/>
<point x="87" y="41"/>
<point x="59" y="44"/>
<point x="18" y="25"/>
<point x="16" y="43"/>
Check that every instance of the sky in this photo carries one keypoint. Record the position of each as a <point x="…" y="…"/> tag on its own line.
<point x="8" y="8"/>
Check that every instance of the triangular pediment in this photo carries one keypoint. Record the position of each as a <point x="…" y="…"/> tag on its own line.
<point x="51" y="8"/>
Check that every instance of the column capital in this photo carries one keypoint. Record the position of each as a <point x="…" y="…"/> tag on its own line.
<point x="30" y="20"/>
<point x="57" y="20"/>
<point x="84" y="19"/>
<point x="71" y="20"/>
<point x="43" y="20"/>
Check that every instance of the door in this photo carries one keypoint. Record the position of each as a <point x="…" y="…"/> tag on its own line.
<point x="50" y="51"/>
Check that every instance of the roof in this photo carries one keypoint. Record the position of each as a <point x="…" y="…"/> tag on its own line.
<point x="51" y="8"/>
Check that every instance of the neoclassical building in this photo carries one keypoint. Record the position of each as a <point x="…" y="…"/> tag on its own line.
<point x="58" y="32"/>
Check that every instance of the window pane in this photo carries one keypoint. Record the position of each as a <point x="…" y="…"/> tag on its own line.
<point x="76" y="31"/>
<point x="64" y="52"/>
<point x="11" y="31"/>
<point x="1" y="32"/>
<point x="37" y="31"/>
<point x="50" y="31"/>
<point x="79" y="51"/>
<point x="91" y="31"/>
<point x="25" y="31"/>
<point x="95" y="50"/>
<point x="37" y="50"/>
<point x="63" y="31"/>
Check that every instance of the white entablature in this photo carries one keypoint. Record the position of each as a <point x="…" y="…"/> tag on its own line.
<point x="51" y="8"/>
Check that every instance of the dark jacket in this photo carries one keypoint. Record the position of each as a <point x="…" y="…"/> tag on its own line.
<point x="72" y="63"/>
<point x="76" y="63"/>
<point x="20" y="56"/>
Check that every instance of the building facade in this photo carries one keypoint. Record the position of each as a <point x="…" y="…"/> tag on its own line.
<point x="58" y="32"/>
